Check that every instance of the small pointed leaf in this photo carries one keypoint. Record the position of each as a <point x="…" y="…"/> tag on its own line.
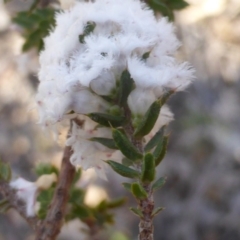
<point x="106" y="120"/>
<point x="107" y="142"/>
<point x="155" y="140"/>
<point x="177" y="4"/>
<point x="125" y="87"/>
<point x="158" y="184"/>
<point x="166" y="96"/>
<point x="102" y="206"/>
<point x="159" y="6"/>
<point x="125" y="146"/>
<point x="156" y="211"/>
<point x="149" y="120"/>
<point x="136" y="212"/>
<point x="148" y="168"/>
<point x="138" y="191"/>
<point x="116" y="203"/>
<point x="81" y="211"/>
<point x="123" y="170"/>
<point x="160" y="150"/>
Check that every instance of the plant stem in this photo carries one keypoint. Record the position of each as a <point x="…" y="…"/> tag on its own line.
<point x="146" y="223"/>
<point x="51" y="225"/>
<point x="147" y="205"/>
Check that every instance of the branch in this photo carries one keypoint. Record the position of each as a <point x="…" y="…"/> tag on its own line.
<point x="10" y="195"/>
<point x="147" y="205"/>
<point x="51" y="225"/>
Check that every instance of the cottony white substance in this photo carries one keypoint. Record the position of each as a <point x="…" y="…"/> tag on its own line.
<point x="76" y="68"/>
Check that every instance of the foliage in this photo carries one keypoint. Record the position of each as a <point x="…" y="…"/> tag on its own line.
<point x="167" y="7"/>
<point x="35" y="25"/>
<point x="96" y="217"/>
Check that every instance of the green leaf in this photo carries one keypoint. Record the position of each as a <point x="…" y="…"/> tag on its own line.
<point x="116" y="203"/>
<point x="127" y="186"/>
<point x="33" y="40"/>
<point x="89" y="28"/>
<point x="160" y="150"/>
<point x="149" y="120"/>
<point x="177" y="4"/>
<point x="5" y="171"/>
<point x="158" y="137"/>
<point x="36" y="25"/>
<point x="77" y="196"/>
<point x="125" y="87"/>
<point x="156" y="211"/>
<point x="26" y="21"/>
<point x="166" y="96"/>
<point x="123" y="170"/>
<point x="45" y="168"/>
<point x="81" y="211"/>
<point x="107" y="142"/>
<point x="151" y="116"/>
<point x="148" y="168"/>
<point x="125" y="146"/>
<point x="160" y="6"/>
<point x="102" y="206"/>
<point x="138" y="191"/>
<point x="158" y="184"/>
<point x="44" y="197"/>
<point x="106" y="120"/>
<point x="136" y="212"/>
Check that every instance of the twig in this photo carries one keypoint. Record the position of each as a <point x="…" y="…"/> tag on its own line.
<point x="14" y="202"/>
<point x="51" y="225"/>
<point x="146" y="223"/>
<point x="146" y="206"/>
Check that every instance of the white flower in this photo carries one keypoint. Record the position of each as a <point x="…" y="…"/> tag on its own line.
<point x="120" y="36"/>
<point x="84" y="57"/>
<point x="26" y="191"/>
<point x="87" y="153"/>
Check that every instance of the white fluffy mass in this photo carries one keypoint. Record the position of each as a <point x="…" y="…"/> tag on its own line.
<point x="77" y="65"/>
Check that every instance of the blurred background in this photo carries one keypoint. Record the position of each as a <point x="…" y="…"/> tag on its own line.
<point x="202" y="193"/>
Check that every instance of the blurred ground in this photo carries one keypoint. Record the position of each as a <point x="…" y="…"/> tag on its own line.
<point x="202" y="194"/>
